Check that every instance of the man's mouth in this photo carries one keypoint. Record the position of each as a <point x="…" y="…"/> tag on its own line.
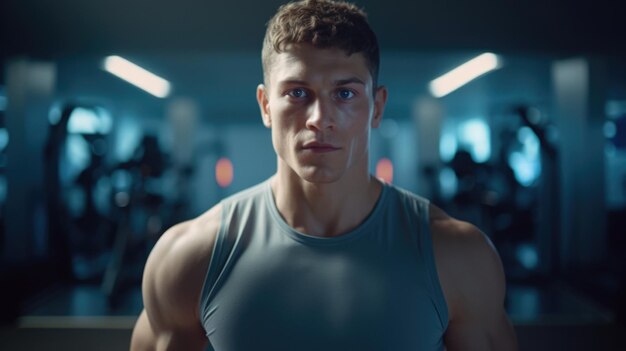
<point x="318" y="147"/>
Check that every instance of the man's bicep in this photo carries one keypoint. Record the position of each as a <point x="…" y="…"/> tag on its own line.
<point x="146" y="338"/>
<point x="143" y="338"/>
<point x="170" y="290"/>
<point x="481" y="335"/>
<point x="480" y="321"/>
<point x="502" y="335"/>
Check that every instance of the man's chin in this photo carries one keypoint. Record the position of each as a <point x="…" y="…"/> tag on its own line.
<point x="319" y="176"/>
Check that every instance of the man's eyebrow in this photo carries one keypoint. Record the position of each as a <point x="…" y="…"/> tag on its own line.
<point x="293" y="81"/>
<point x="353" y="80"/>
<point x="338" y="82"/>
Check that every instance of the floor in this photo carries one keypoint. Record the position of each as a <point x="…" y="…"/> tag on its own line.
<point x="80" y="318"/>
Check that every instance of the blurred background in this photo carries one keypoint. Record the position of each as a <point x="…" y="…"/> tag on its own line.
<point x="529" y="144"/>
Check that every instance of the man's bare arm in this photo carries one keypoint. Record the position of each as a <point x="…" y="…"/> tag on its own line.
<point x="171" y="287"/>
<point x="473" y="281"/>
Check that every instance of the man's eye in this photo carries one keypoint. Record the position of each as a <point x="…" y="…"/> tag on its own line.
<point x="298" y="93"/>
<point x="345" y="94"/>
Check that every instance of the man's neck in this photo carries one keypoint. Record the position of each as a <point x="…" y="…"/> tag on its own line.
<point x="325" y="209"/>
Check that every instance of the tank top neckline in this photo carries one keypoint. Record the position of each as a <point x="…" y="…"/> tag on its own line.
<point x="318" y="240"/>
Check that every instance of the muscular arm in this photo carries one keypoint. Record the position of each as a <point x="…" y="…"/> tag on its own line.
<point x="171" y="287"/>
<point x="473" y="281"/>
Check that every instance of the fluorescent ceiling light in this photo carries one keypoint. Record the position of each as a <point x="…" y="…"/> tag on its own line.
<point x="137" y="76"/>
<point x="463" y="74"/>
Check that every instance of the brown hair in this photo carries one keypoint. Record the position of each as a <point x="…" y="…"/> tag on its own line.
<point x="323" y="24"/>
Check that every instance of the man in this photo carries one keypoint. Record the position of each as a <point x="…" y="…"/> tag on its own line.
<point x="323" y="256"/>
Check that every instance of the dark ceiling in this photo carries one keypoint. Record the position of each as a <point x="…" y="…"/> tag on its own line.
<point x="194" y="43"/>
<point x="68" y="27"/>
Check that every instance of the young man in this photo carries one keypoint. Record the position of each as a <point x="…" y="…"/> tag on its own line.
<point x="323" y="256"/>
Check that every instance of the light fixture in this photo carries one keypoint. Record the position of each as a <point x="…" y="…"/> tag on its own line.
<point x="224" y="172"/>
<point x="137" y="76"/>
<point x="463" y="74"/>
<point x="384" y="170"/>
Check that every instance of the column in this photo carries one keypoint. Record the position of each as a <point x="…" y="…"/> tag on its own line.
<point x="428" y="116"/>
<point x="30" y="87"/>
<point x="580" y="94"/>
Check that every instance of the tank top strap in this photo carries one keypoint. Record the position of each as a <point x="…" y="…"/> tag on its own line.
<point x="226" y="242"/>
<point x="425" y="243"/>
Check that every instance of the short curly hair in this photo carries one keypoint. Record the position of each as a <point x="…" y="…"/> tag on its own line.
<point x="323" y="24"/>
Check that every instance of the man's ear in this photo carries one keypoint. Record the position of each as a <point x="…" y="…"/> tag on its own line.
<point x="262" y="99"/>
<point x="380" y="99"/>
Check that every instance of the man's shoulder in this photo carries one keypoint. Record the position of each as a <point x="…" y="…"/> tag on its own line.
<point x="405" y="193"/>
<point x="172" y="283"/>
<point x="177" y="265"/>
<point x="459" y="241"/>
<point x="407" y="200"/>
<point x="444" y="227"/>
<point x="467" y="262"/>
<point x="452" y="231"/>
<point x="197" y="236"/>
<point x="193" y="235"/>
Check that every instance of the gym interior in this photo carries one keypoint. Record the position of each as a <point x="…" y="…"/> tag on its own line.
<point x="529" y="145"/>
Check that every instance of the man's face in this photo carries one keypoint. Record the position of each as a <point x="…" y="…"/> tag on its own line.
<point x="320" y="106"/>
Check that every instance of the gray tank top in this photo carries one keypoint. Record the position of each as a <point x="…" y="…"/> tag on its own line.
<point x="270" y="287"/>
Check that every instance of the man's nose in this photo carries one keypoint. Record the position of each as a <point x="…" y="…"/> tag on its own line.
<point x="321" y="115"/>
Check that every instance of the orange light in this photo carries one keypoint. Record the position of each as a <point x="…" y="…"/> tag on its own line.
<point x="384" y="170"/>
<point x="224" y="172"/>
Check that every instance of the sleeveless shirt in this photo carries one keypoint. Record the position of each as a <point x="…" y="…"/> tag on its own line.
<point x="270" y="287"/>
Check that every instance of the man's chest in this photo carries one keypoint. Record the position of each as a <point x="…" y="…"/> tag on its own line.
<point x="301" y="298"/>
